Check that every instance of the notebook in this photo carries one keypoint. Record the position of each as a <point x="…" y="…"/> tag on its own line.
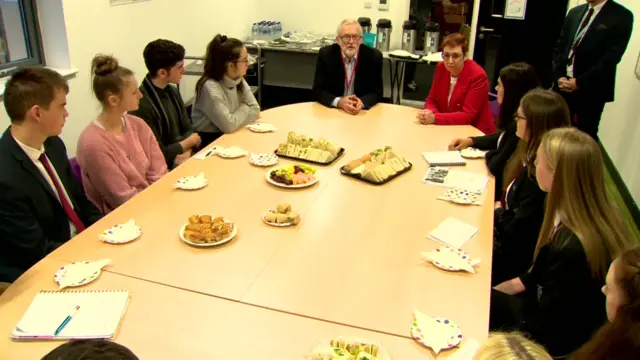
<point x="453" y="232"/>
<point x="444" y="158"/>
<point x="98" y="317"/>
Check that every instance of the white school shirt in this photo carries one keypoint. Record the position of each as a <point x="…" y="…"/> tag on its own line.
<point x="34" y="155"/>
<point x="596" y="10"/>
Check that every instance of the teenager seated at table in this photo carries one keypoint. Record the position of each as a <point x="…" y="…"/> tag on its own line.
<point x="348" y="73"/>
<point x="161" y="106"/>
<point x="514" y="82"/>
<point x="619" y="339"/>
<point x="559" y="302"/>
<point x="518" y="216"/>
<point x="510" y="346"/>
<point x="224" y="101"/>
<point x="117" y="152"/>
<point x="90" y="350"/>
<point x="41" y="204"/>
<point x="459" y="93"/>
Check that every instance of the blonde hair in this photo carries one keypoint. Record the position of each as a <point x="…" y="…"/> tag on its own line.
<point x="579" y="198"/>
<point x="511" y="346"/>
<point x="348" y="22"/>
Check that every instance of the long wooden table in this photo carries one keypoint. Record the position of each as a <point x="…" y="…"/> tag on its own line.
<point x="352" y="264"/>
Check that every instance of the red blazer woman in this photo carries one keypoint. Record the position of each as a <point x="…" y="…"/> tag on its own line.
<point x="469" y="103"/>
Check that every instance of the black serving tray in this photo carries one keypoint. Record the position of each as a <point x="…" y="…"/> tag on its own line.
<point x="346" y="173"/>
<point x="310" y="161"/>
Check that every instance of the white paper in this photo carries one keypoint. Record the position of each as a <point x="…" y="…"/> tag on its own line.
<point x="436" y="158"/>
<point x="453" y="232"/>
<point x="463" y="180"/>
<point x="515" y="9"/>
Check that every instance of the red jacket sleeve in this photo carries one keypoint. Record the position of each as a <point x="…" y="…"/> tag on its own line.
<point x="474" y="102"/>
<point x="432" y="100"/>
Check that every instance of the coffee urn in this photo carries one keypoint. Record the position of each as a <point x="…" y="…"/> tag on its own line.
<point x="409" y="35"/>
<point x="432" y="38"/>
<point x="383" y="36"/>
<point x="365" y="24"/>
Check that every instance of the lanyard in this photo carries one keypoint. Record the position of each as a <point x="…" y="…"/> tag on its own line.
<point x="349" y="79"/>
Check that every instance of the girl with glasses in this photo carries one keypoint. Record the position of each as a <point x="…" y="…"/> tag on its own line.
<point x="224" y="101"/>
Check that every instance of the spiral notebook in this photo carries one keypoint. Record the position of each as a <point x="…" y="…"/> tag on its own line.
<point x="99" y="315"/>
<point x="444" y="158"/>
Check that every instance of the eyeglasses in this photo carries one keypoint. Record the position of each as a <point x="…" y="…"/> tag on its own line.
<point x="517" y="117"/>
<point x="454" y="56"/>
<point x="347" y="38"/>
<point x="250" y="60"/>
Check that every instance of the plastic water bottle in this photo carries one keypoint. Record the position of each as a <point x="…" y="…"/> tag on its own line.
<point x="265" y="31"/>
<point x="278" y="30"/>
<point x="254" y="31"/>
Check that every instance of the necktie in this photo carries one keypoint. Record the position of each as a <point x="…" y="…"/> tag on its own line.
<point x="578" y="40"/>
<point x="71" y="214"/>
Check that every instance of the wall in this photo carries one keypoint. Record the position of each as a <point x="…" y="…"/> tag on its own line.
<point x="96" y="27"/>
<point x="620" y="126"/>
<point x="324" y="16"/>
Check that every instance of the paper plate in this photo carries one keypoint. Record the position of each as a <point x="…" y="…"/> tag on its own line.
<point x="62" y="272"/>
<point x="472" y="153"/>
<point x="448" y="251"/>
<point x="461" y="196"/>
<point x="190" y="183"/>
<point x="274" y="223"/>
<point x="111" y="235"/>
<point x="261" y="127"/>
<point x="223" y="241"/>
<point x="265" y="159"/>
<point x="453" y="341"/>
<point x="310" y="183"/>
<point x="231" y="152"/>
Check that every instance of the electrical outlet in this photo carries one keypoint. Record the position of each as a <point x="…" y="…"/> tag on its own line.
<point x="368" y="4"/>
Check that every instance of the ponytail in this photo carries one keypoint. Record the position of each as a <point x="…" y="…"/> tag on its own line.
<point x="221" y="51"/>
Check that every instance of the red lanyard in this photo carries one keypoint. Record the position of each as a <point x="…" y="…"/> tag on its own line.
<point x="349" y="79"/>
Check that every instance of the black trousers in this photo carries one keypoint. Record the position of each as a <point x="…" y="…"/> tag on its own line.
<point x="586" y="111"/>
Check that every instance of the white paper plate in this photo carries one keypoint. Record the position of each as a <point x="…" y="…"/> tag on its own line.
<point x="461" y="196"/>
<point x="274" y="223"/>
<point x="111" y="235"/>
<point x="190" y="183"/>
<point x="453" y="341"/>
<point x="472" y="153"/>
<point x="264" y="159"/>
<point x="451" y="252"/>
<point x="261" y="127"/>
<point x="223" y="241"/>
<point x="231" y="152"/>
<point x="310" y="183"/>
<point x="62" y="272"/>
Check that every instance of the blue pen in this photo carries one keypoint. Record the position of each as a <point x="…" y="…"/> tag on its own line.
<point x="66" y="320"/>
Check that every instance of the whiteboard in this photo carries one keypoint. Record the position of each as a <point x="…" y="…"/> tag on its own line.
<point x="124" y="2"/>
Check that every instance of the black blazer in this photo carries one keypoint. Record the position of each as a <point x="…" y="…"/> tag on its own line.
<point x="32" y="220"/>
<point x="569" y="304"/>
<point x="599" y="52"/>
<point x="516" y="229"/>
<point x="329" y="79"/>
<point x="498" y="155"/>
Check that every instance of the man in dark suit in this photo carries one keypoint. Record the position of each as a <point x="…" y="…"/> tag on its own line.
<point x="592" y="41"/>
<point x="41" y="204"/>
<point x="348" y="74"/>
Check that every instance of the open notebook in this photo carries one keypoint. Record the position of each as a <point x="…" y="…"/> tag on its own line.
<point x="98" y="318"/>
<point x="444" y="158"/>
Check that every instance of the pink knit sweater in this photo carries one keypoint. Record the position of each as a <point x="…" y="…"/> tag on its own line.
<point x="116" y="168"/>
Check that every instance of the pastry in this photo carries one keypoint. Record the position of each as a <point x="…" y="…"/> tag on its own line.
<point x="283" y="208"/>
<point x="282" y="218"/>
<point x="293" y="217"/>
<point x="270" y="217"/>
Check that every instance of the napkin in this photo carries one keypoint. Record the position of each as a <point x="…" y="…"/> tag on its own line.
<point x="436" y="335"/>
<point x="472" y="153"/>
<point x="121" y="233"/>
<point x="453" y="232"/>
<point x="232" y="151"/>
<point x="76" y="272"/>
<point x="262" y="127"/>
<point x="189" y="182"/>
<point x="453" y="258"/>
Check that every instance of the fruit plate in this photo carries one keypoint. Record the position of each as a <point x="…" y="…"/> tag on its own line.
<point x="359" y="177"/>
<point x="275" y="183"/>
<point x="311" y="161"/>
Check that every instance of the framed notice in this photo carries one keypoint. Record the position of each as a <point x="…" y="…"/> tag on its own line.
<point x="124" y="2"/>
<point x="515" y="9"/>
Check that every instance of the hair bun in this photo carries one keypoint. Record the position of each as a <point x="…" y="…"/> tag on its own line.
<point x="223" y="38"/>
<point x="103" y="65"/>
